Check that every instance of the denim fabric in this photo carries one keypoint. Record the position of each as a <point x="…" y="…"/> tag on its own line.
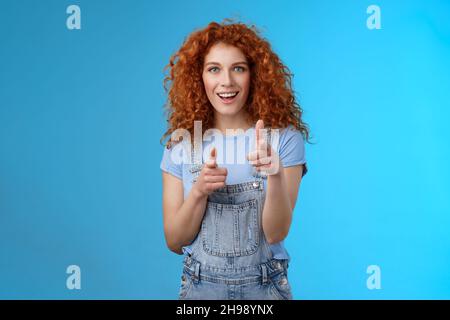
<point x="290" y="147"/>
<point x="265" y="281"/>
<point x="230" y="257"/>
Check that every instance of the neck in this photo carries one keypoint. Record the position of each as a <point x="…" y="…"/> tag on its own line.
<point x="224" y="122"/>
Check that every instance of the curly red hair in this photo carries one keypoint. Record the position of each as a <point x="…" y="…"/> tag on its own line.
<point x="271" y="96"/>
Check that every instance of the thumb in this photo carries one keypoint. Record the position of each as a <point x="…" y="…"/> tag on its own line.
<point x="259" y="125"/>
<point x="213" y="153"/>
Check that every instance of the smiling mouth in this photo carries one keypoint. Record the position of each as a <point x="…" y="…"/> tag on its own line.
<point x="227" y="96"/>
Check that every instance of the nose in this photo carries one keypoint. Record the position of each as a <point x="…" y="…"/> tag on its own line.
<point x="227" y="79"/>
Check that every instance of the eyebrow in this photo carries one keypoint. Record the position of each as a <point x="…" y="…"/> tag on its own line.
<point x="216" y="63"/>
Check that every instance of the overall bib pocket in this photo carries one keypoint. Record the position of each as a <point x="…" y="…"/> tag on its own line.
<point x="231" y="230"/>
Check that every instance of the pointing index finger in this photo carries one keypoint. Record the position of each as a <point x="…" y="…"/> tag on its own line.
<point x="211" y="163"/>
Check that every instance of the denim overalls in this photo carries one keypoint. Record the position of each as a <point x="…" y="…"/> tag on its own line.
<point x="230" y="258"/>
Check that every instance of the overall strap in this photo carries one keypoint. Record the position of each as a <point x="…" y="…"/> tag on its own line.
<point x="196" y="163"/>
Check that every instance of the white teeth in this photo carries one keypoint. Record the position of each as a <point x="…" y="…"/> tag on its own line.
<point x="227" y="95"/>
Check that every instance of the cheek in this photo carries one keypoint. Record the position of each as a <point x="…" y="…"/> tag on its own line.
<point x="209" y="85"/>
<point x="245" y="83"/>
<point x="207" y="81"/>
<point x="245" y="86"/>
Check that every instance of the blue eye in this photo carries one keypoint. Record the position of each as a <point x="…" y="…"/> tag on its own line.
<point x="213" y="69"/>
<point x="239" y="69"/>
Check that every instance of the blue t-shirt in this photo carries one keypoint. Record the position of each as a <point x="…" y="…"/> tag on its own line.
<point x="231" y="152"/>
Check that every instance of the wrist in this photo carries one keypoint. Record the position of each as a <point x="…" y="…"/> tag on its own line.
<point x="280" y="171"/>
<point x="197" y="193"/>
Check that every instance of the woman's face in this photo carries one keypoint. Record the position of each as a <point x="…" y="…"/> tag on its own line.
<point x="226" y="77"/>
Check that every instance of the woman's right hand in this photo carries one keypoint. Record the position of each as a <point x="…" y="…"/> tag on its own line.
<point x="211" y="177"/>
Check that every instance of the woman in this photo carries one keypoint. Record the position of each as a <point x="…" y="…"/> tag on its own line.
<point x="228" y="217"/>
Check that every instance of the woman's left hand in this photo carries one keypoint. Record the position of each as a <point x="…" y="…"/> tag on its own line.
<point x="264" y="158"/>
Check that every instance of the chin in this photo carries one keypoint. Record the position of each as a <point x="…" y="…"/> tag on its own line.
<point x="228" y="110"/>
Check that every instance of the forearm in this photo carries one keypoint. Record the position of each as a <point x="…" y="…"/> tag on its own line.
<point x="277" y="212"/>
<point x="185" y="223"/>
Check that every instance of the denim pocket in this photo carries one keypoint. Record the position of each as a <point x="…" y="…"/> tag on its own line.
<point x="185" y="285"/>
<point x="280" y="286"/>
<point x="231" y="230"/>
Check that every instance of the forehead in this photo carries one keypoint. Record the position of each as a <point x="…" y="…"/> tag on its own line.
<point x="224" y="54"/>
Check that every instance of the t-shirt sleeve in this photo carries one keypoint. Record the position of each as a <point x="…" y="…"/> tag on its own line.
<point x="292" y="149"/>
<point x="169" y="166"/>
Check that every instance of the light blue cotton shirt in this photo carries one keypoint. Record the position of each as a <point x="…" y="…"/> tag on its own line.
<point x="232" y="150"/>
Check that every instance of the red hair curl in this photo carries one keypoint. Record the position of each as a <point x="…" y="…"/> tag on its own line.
<point x="271" y="96"/>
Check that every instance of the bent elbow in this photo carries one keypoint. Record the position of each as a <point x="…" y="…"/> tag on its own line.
<point x="273" y="240"/>
<point x="178" y="251"/>
<point x="276" y="238"/>
<point x="174" y="247"/>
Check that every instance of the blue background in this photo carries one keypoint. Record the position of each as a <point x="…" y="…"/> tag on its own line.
<point x="81" y="118"/>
